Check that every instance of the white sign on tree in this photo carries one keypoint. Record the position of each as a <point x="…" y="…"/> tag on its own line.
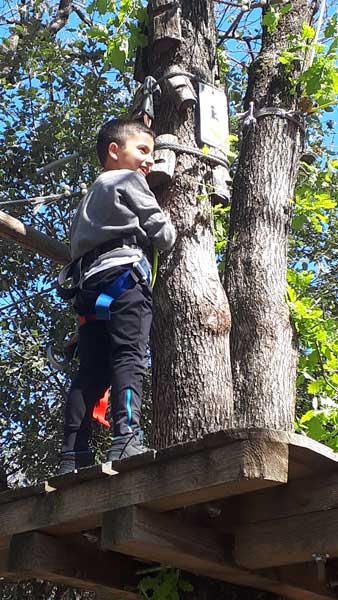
<point x="214" y="123"/>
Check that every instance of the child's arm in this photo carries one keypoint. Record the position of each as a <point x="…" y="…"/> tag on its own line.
<point x="152" y="219"/>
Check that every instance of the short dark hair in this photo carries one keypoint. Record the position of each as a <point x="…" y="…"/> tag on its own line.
<point x="118" y="131"/>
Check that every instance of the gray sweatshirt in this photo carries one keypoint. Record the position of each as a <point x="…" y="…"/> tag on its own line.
<point x="120" y="204"/>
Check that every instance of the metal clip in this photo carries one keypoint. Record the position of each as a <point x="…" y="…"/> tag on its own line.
<point x="320" y="560"/>
<point x="141" y="271"/>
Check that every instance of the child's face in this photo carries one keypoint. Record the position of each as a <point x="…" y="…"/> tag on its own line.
<point x="136" y="154"/>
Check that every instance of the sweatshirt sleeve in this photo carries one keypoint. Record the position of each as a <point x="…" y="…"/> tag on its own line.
<point x="143" y="203"/>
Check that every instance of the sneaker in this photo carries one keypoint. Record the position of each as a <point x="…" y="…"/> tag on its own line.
<point x="72" y="461"/>
<point x="127" y="445"/>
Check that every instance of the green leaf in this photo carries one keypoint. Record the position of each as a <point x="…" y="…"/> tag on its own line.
<point x="331" y="28"/>
<point x="308" y="33"/>
<point x="316" y="430"/>
<point x="185" y="585"/>
<point x="271" y="19"/>
<point x="116" y="53"/>
<point x="286" y="8"/>
<point x="307" y="417"/>
<point x="314" y="387"/>
<point x="98" y="32"/>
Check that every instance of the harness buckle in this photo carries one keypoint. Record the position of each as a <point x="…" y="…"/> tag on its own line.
<point x="141" y="271"/>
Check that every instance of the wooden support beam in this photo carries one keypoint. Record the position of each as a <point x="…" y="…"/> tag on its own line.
<point x="164" y="484"/>
<point x="36" y="555"/>
<point x="287" y="541"/>
<point x="16" y="231"/>
<point x="285" y="526"/>
<point x="4" y="562"/>
<point x="169" y="540"/>
<point x="162" y="538"/>
<point x="299" y="497"/>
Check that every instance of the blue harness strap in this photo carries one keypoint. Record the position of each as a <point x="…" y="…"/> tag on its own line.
<point x="139" y="273"/>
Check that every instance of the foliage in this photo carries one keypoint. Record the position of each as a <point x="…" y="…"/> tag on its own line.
<point x="312" y="281"/>
<point x="117" y="31"/>
<point x="56" y="89"/>
<point x="166" y="585"/>
<point x="318" y="82"/>
<point x="273" y="16"/>
<point x="312" y="296"/>
<point x="321" y="425"/>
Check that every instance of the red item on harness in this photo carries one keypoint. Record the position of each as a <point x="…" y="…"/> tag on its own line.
<point x="83" y="320"/>
<point x="100" y="409"/>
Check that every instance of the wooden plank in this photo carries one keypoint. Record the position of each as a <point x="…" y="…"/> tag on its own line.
<point x="309" y="458"/>
<point x="306" y="455"/>
<point x="298" y="497"/>
<point x="305" y="575"/>
<point x="134" y="462"/>
<point x="41" y="556"/>
<point x="25" y="492"/>
<point x="162" y="485"/>
<point x="4" y="558"/>
<point x="84" y="474"/>
<point x="287" y="541"/>
<point x="16" y="231"/>
<point x="169" y="540"/>
<point x="161" y="538"/>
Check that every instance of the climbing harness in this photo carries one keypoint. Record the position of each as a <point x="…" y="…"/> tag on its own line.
<point x="139" y="273"/>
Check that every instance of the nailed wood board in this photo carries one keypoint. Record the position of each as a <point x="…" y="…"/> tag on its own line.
<point x="174" y="481"/>
<point x="308" y="458"/>
<point x="134" y="462"/>
<point x="299" y="497"/>
<point x="288" y="540"/>
<point x="166" y="539"/>
<point x="42" y="556"/>
<point x="25" y="492"/>
<point x="85" y="474"/>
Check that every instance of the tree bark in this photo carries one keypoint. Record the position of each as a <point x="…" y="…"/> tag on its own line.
<point x="263" y="345"/>
<point x="192" y="387"/>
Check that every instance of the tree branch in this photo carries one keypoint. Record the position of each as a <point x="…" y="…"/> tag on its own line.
<point x="63" y="14"/>
<point x="81" y="15"/>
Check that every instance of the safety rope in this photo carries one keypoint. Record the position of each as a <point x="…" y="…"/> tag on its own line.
<point x="181" y="148"/>
<point x="249" y="118"/>
<point x="154" y="268"/>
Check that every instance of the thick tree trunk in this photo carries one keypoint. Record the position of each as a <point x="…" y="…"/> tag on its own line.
<point x="263" y="348"/>
<point x="192" y="387"/>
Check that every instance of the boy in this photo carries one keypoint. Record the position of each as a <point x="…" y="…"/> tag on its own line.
<point x="115" y="226"/>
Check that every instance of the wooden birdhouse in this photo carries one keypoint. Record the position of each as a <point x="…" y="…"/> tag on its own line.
<point x="180" y="87"/>
<point x="166" y="25"/>
<point x="165" y="162"/>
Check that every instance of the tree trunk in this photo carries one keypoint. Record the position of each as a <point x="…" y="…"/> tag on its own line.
<point x="263" y="346"/>
<point x="192" y="387"/>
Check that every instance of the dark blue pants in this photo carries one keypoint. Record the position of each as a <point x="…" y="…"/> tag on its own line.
<point x="112" y="353"/>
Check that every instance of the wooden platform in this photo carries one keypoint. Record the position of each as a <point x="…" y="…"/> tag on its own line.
<point x="255" y="508"/>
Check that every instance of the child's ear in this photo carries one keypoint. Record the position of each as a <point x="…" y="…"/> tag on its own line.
<point x="113" y="150"/>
